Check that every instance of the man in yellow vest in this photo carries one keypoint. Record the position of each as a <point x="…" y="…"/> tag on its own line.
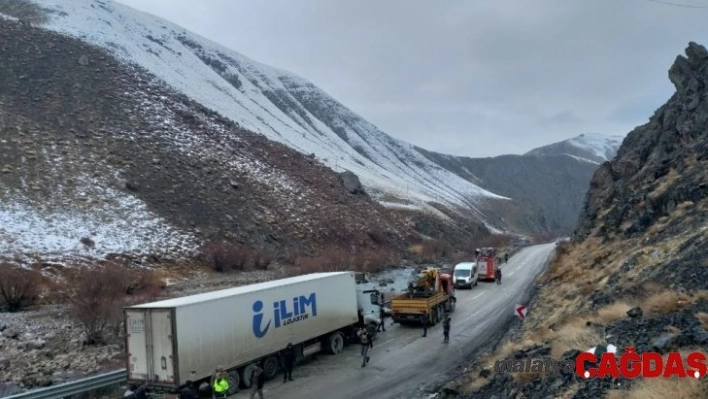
<point x="219" y="384"/>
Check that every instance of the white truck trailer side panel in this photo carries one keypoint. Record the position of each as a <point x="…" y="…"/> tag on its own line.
<point x="232" y="327"/>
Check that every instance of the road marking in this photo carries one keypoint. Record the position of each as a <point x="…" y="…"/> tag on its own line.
<point x="510" y="273"/>
<point x="386" y="341"/>
<point x="479" y="295"/>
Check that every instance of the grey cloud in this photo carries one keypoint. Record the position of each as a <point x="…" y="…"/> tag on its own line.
<point x="476" y="78"/>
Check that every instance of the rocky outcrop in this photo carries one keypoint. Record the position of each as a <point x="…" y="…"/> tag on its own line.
<point x="661" y="172"/>
<point x="351" y="183"/>
<point x="635" y="273"/>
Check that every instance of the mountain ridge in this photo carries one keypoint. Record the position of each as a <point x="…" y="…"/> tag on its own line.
<point x="413" y="183"/>
<point x="268" y="100"/>
<point x="590" y="147"/>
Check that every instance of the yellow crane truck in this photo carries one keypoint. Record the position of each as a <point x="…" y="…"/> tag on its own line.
<point x="432" y="294"/>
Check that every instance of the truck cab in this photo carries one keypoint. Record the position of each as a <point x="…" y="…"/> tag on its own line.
<point x="466" y="275"/>
<point x="368" y="299"/>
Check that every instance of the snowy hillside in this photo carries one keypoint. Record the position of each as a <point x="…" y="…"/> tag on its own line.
<point x="602" y="146"/>
<point x="275" y="103"/>
<point x="588" y="147"/>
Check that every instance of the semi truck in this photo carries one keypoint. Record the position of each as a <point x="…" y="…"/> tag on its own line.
<point x="432" y="294"/>
<point x="173" y="341"/>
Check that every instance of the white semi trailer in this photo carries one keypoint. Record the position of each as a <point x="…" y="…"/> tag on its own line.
<point x="185" y="339"/>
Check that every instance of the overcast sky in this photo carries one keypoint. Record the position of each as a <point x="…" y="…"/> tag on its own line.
<point x="474" y="77"/>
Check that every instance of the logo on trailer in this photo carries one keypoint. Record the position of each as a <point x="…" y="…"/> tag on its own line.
<point x="284" y="313"/>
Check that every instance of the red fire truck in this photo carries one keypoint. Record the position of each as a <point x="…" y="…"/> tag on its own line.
<point x="486" y="258"/>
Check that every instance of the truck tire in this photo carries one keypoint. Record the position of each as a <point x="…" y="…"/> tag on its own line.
<point x="234" y="380"/>
<point x="245" y="375"/>
<point x="335" y="343"/>
<point x="270" y="367"/>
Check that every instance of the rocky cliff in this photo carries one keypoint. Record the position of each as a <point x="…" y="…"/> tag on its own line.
<point x="636" y="271"/>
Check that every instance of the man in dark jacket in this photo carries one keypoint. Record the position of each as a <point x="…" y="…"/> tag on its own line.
<point x="382" y="316"/>
<point x="257" y="380"/>
<point x="424" y="322"/>
<point x="288" y="362"/>
<point x="446" y="329"/>
<point x="367" y="343"/>
<point x="188" y="391"/>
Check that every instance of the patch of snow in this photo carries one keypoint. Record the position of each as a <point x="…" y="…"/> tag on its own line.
<point x="121" y="224"/>
<point x="581" y="159"/>
<point x="247" y="92"/>
<point x="600" y="145"/>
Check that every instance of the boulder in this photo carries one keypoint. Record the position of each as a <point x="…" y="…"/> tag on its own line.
<point x="351" y="183"/>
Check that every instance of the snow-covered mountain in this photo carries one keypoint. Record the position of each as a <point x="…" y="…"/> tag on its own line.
<point x="278" y="104"/>
<point x="590" y="147"/>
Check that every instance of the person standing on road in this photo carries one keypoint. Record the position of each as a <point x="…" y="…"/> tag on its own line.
<point x="257" y="380"/>
<point x="219" y="384"/>
<point x="446" y="329"/>
<point x="382" y="316"/>
<point x="506" y="258"/>
<point x="497" y="273"/>
<point x="424" y="322"/>
<point x="288" y="356"/>
<point x="366" y="343"/>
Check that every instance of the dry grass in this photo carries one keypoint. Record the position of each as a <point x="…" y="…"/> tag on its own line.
<point x="525" y="378"/>
<point x="703" y="318"/>
<point x="701" y="295"/>
<point x="673" y="330"/>
<point x="508" y="348"/>
<point x="662" y="388"/>
<point x="575" y="334"/>
<point x="664" y="302"/>
<point x="611" y="313"/>
<point x="476" y="384"/>
<point x="666" y="182"/>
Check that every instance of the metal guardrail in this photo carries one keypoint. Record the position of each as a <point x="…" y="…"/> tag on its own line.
<point x="75" y="387"/>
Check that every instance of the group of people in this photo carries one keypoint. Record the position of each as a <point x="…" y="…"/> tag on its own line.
<point x="220" y="385"/>
<point x="446" y="326"/>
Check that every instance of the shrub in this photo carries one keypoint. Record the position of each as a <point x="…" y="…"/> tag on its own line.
<point x="19" y="288"/>
<point x="224" y="257"/>
<point x="96" y="296"/>
<point x="374" y="260"/>
<point x="378" y="235"/>
<point x="493" y="240"/>
<point x="143" y="284"/>
<point x="291" y="256"/>
<point x="262" y="258"/>
<point x="542" y="238"/>
<point x="430" y="251"/>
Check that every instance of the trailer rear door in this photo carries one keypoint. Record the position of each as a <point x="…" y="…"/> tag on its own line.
<point x="150" y="345"/>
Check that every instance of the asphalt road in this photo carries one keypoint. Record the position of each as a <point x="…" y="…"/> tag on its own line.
<point x="401" y="360"/>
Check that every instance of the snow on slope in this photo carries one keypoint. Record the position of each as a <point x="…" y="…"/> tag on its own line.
<point x="600" y="145"/>
<point x="282" y="106"/>
<point x="123" y="224"/>
<point x="581" y="159"/>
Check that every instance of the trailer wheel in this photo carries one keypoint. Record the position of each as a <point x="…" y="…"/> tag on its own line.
<point x="336" y="343"/>
<point x="270" y="367"/>
<point x="234" y="380"/>
<point x="246" y="373"/>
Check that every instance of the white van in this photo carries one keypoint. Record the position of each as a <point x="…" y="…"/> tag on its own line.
<point x="465" y="275"/>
